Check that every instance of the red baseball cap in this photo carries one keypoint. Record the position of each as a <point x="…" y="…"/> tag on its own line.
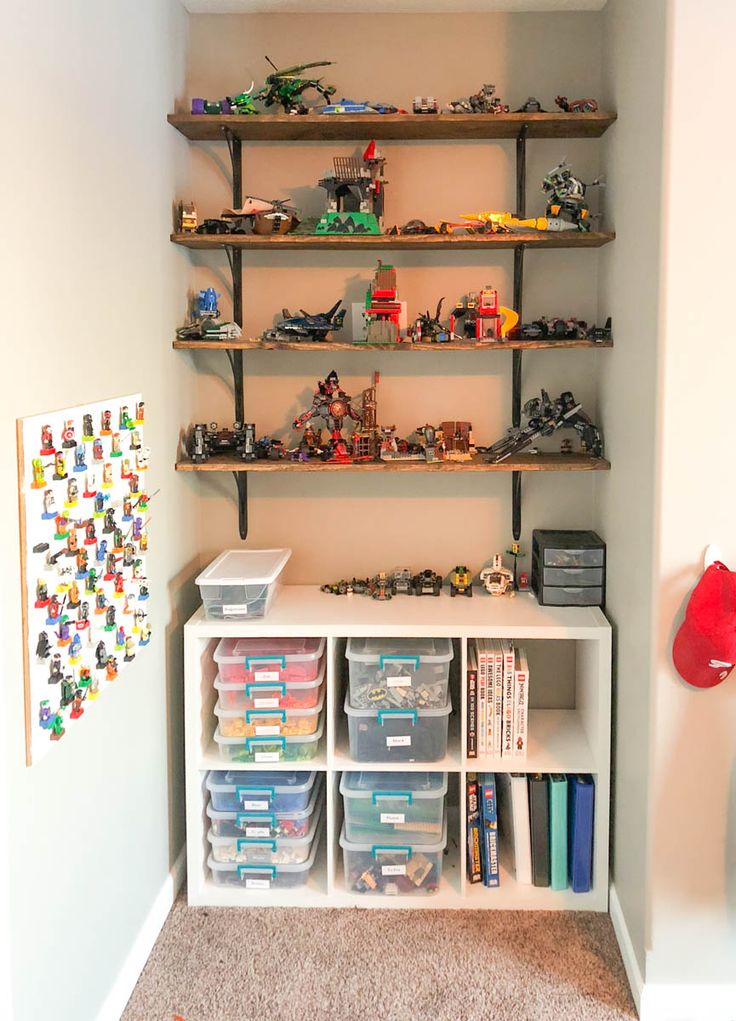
<point x="704" y="650"/>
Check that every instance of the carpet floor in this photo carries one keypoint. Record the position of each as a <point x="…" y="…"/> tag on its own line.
<point x="274" y="964"/>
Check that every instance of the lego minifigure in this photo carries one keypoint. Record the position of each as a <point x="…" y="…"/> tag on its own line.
<point x="83" y="616"/>
<point x="72" y="493"/>
<point x="47" y="442"/>
<point x="43" y="647"/>
<point x="97" y="451"/>
<point x="57" y="727"/>
<point x="63" y="635"/>
<point x="124" y="419"/>
<point x="105" y="423"/>
<point x="42" y="594"/>
<point x="39" y="476"/>
<point x="111" y="668"/>
<point x="79" y="462"/>
<point x="49" y="505"/>
<point x="73" y="597"/>
<point x="60" y="471"/>
<point x="110" y="618"/>
<point x="77" y="710"/>
<point x="55" y="672"/>
<point x="88" y="430"/>
<point x="129" y="649"/>
<point x="53" y="610"/>
<point x="100" y="656"/>
<point x="45" y="716"/>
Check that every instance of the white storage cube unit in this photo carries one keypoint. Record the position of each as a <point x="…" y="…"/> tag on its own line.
<point x="242" y="584"/>
<point x="392" y="870"/>
<point x="393" y="808"/>
<point x="399" y="673"/>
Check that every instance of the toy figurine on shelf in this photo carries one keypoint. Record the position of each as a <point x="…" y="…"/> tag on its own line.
<point x="380" y="587"/>
<point x="545" y="416"/>
<point x="426" y="583"/>
<point x="210" y="106"/>
<point x="45" y="715"/>
<point x="457" y="438"/>
<point x="483" y="319"/>
<point x="497" y="580"/>
<point x="57" y="727"/>
<point x="382" y="309"/>
<point x="43" y="647"/>
<point x="305" y="326"/>
<point x="285" y="87"/>
<point x="532" y="105"/>
<point x="77" y="710"/>
<point x="566" y="197"/>
<point x="425" y="104"/>
<point x="461" y="583"/>
<point x="483" y="101"/>
<point x="331" y="403"/>
<point x="577" y="105"/>
<point x="428" y="329"/>
<point x="188" y="220"/>
<point x="355" y="194"/>
<point x="47" y="442"/>
<point x="39" y="477"/>
<point x="261" y="216"/>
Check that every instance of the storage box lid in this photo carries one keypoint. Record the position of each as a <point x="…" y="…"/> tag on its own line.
<point x="254" y="814"/>
<point x="275" y="842"/>
<point x="254" y="715"/>
<point x="378" y="849"/>
<point x="412" y="715"/>
<point x="245" y="567"/>
<point x="396" y="786"/>
<point x="269" y="686"/>
<point x="268" y="650"/>
<point x="282" y="781"/>
<point x="422" y="650"/>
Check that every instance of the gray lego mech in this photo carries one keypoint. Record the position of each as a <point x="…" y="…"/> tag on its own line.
<point x="566" y="196"/>
<point x="545" y="417"/>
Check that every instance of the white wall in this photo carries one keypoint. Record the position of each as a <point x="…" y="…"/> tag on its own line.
<point x="95" y="285"/>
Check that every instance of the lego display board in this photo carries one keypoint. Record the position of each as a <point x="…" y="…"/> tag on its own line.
<point x="84" y="539"/>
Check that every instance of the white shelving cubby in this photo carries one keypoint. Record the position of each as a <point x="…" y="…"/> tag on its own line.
<point x="569" y="732"/>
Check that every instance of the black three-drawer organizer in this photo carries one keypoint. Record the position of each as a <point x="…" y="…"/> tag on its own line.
<point x="568" y="567"/>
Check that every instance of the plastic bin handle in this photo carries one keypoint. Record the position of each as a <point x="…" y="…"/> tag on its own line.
<point x="242" y="792"/>
<point x="251" y="714"/>
<point x="265" y="659"/>
<point x="255" y="842"/>
<point x="377" y="796"/>
<point x="398" y="659"/>
<point x="265" y="686"/>
<point x="250" y="741"/>
<point x="388" y="849"/>
<point x="409" y="714"/>
<point x="241" y="817"/>
<point x="242" y="869"/>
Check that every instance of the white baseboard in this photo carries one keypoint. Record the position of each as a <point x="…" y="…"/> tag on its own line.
<point x="674" y="1002"/>
<point x="633" y="971"/>
<point x="124" y="985"/>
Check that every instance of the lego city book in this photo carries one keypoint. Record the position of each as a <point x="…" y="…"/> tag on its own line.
<point x="474" y="866"/>
<point x="489" y="829"/>
<point x="472" y="704"/>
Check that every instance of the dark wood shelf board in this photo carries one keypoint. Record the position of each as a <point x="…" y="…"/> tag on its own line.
<point x="438" y="127"/>
<point x="529" y="462"/>
<point x="396" y="242"/>
<point x="405" y="346"/>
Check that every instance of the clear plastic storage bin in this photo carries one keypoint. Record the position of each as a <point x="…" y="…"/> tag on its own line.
<point x="406" y="870"/>
<point x="393" y="808"/>
<point x="269" y="749"/>
<point x="263" y="877"/>
<point x="264" y="824"/>
<point x="241" y="584"/>
<point x="261" y="850"/>
<point x="232" y="790"/>
<point x="268" y="722"/>
<point x="399" y="673"/>
<point x="271" y="694"/>
<point x="398" y="735"/>
<point x="257" y="661"/>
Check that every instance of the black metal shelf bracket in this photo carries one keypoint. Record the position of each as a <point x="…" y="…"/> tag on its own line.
<point x="518" y="307"/>
<point x="235" y="259"/>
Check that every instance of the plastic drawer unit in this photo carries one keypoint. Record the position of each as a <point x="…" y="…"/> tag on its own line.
<point x="400" y="673"/>
<point x="393" y="808"/>
<point x="263" y="877"/>
<point x="407" y="870"/>
<point x="263" y="850"/>
<point x="568" y="567"/>
<point x="262" y="791"/>
<point x="269" y="749"/>
<point x="398" y="735"/>
<point x="262" y="661"/>
<point x="265" y="824"/>
<point x="269" y="722"/>
<point x="242" y="584"/>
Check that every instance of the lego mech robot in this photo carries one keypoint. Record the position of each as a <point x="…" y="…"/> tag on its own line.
<point x="566" y="197"/>
<point x="331" y="403"/>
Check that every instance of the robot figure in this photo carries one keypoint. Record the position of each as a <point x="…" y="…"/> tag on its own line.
<point x="566" y="196"/>
<point x="331" y="403"/>
<point x="545" y="417"/>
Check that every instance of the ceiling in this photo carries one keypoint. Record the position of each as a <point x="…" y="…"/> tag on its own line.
<point x="384" y="6"/>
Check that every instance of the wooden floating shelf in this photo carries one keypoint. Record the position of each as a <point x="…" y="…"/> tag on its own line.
<point x="327" y="346"/>
<point x="327" y="128"/>
<point x="524" y="463"/>
<point x="397" y="242"/>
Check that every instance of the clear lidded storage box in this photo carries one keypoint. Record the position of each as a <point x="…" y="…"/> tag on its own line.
<point x="393" y="808"/>
<point x="399" y="673"/>
<point x="241" y="584"/>
<point x="232" y="790"/>
<point x="265" y="660"/>
<point x="398" y="735"/>
<point x="245" y="823"/>
<point x="408" y="870"/>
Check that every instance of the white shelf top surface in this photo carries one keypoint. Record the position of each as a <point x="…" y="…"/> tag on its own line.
<point x="304" y="610"/>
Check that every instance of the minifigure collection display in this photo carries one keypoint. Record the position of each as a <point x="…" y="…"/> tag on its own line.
<point x="86" y="520"/>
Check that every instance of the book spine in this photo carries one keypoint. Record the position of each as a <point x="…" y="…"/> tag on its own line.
<point x="489" y="826"/>
<point x="507" y="745"/>
<point x="521" y="706"/>
<point x="472" y="727"/>
<point x="473" y="829"/>
<point x="497" y="698"/>
<point x="482" y="701"/>
<point x="490" y="695"/>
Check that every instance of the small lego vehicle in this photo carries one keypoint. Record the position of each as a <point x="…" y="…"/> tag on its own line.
<point x="577" y="105"/>
<point x="600" y="333"/>
<point x="214" y="226"/>
<point x="532" y="105"/>
<point x="401" y="582"/>
<point x="482" y="101"/>
<point x="262" y="216"/>
<point x="425" y="104"/>
<point x="426" y="583"/>
<point x="211" y="106"/>
<point x="497" y="580"/>
<point x="306" y="326"/>
<point x="380" y="586"/>
<point x="461" y="584"/>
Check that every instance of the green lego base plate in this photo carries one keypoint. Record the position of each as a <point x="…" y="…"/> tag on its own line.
<point x="348" y="223"/>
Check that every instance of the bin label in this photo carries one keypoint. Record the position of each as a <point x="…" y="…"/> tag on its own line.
<point x="399" y="741"/>
<point x="267" y="756"/>
<point x="235" y="610"/>
<point x="258" y="884"/>
<point x="393" y="870"/>
<point x="400" y="681"/>
<point x="393" y="817"/>
<point x="266" y="675"/>
<point x="266" y="730"/>
<point x="255" y="806"/>
<point x="265" y="703"/>
<point x="258" y="831"/>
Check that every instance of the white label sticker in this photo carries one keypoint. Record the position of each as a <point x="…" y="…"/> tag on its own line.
<point x="393" y="870"/>
<point x="265" y="703"/>
<point x="399" y="741"/>
<point x="402" y="681"/>
<point x="235" y="609"/>
<point x="258" y="831"/>
<point x="267" y="756"/>
<point x="393" y="817"/>
<point x="266" y="730"/>
<point x="258" y="884"/>
<point x="255" y="806"/>
<point x="266" y="675"/>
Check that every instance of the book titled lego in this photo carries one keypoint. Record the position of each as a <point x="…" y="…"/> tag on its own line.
<point x="472" y="704"/>
<point x="489" y="829"/>
<point x="482" y="696"/>
<point x="497" y="696"/>
<point x="521" y="704"/>
<point x="507" y="737"/>
<point x="474" y="868"/>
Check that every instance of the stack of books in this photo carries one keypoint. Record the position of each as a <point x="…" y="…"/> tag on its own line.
<point x="541" y="824"/>
<point x="498" y="699"/>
